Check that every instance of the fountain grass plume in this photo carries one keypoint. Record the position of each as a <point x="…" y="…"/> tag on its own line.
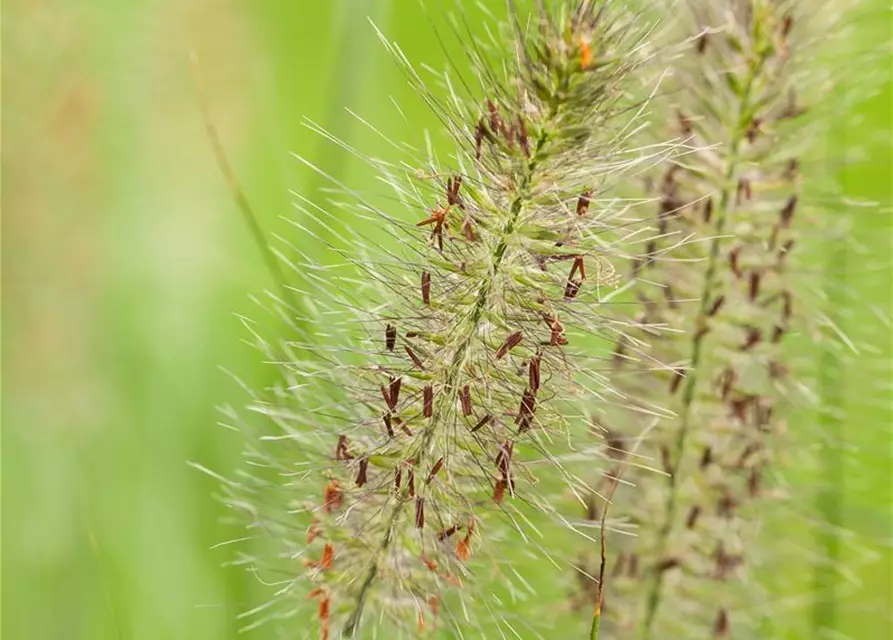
<point x="430" y="385"/>
<point x="747" y="94"/>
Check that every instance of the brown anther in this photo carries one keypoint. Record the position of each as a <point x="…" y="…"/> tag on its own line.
<point x="386" y="418"/>
<point x="428" y="401"/>
<point x="526" y="410"/>
<point x="678" y="376"/>
<point x="716" y="306"/>
<point x="754" y="336"/>
<point x="753" y="130"/>
<point x="468" y="230"/>
<point x="734" y="255"/>
<point x="465" y="400"/>
<point x="692" y="517"/>
<point x="523" y="137"/>
<point x="701" y="44"/>
<point x="754" y="285"/>
<point x="419" y="513"/>
<point x="443" y="534"/>
<point x="333" y="497"/>
<point x="312" y="531"/>
<point x="578" y="265"/>
<point x="496" y="123"/>
<point x="739" y="407"/>
<point x="361" y="472"/>
<point x="410" y="482"/>
<point x="533" y="373"/>
<point x="499" y="490"/>
<point x="787" y="212"/>
<point x="483" y="421"/>
<point x="557" y="338"/>
<point x="665" y="459"/>
<point x="426" y="287"/>
<point x="512" y="341"/>
<point x="786" y="26"/>
<point x="725" y="508"/>
<point x="753" y="483"/>
<point x="453" y="186"/>
<point x="414" y="357"/>
<point x="666" y="564"/>
<point x="721" y="626"/>
<point x="726" y="380"/>
<point x="571" y="289"/>
<point x="328" y="553"/>
<point x="583" y="202"/>
<point x="744" y="190"/>
<point x="787" y="305"/>
<point x="708" y="210"/>
<point x="341" y="452"/>
<point x="706" y="458"/>
<point x="390" y="337"/>
<point x="437" y="466"/>
<point x="504" y="457"/>
<point x="398" y="478"/>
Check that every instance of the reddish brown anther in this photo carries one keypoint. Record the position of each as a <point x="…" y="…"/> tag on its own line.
<point x="578" y="265"/>
<point x="716" y="306"/>
<point x="787" y="212"/>
<point x="754" y="336"/>
<point x="526" y="410"/>
<point x="583" y="202"/>
<point x="410" y="482"/>
<point x="533" y="373"/>
<point x="419" y="512"/>
<point x="692" y="518"/>
<point x="426" y="287"/>
<point x="481" y="423"/>
<point x="665" y="459"/>
<point x="361" y="472"/>
<point x="721" y="626"/>
<point x="572" y="289"/>
<point x="437" y="466"/>
<point x="333" y="497"/>
<point x="734" y="254"/>
<point x="701" y="44"/>
<point x="453" y="186"/>
<point x="512" y="341"/>
<point x="428" y="401"/>
<point x="557" y="337"/>
<point x="443" y="534"/>
<point x="386" y="418"/>
<point x="708" y="210"/>
<point x="390" y="337"/>
<point x="706" y="457"/>
<point x="465" y="400"/>
<point x="754" y="285"/>
<point x="341" y="452"/>
<point x="523" y="137"/>
<point x="499" y="490"/>
<point x="678" y="376"/>
<point x="414" y="357"/>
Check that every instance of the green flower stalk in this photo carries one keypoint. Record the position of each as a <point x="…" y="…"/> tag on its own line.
<point x="434" y="375"/>
<point x="692" y="569"/>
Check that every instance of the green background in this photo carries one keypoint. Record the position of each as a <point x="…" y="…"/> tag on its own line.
<point x="125" y="260"/>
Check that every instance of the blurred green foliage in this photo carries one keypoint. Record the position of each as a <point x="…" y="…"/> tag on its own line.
<point x="124" y="261"/>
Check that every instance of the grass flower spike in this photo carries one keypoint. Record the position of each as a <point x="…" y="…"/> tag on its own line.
<point x="433" y="375"/>
<point x="739" y="95"/>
